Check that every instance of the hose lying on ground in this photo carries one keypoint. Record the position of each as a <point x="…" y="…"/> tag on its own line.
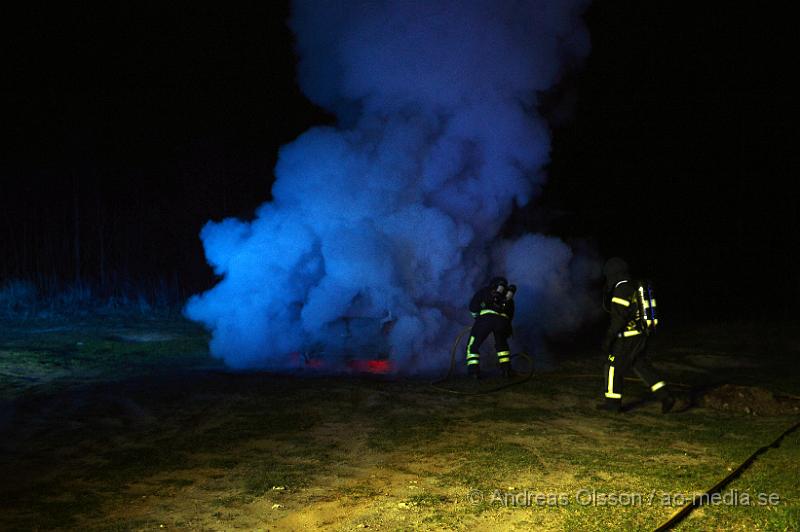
<point x="697" y="500"/>
<point x="521" y="377"/>
<point x="679" y="515"/>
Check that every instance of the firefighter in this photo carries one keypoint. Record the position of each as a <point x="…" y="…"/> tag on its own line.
<point x="625" y="341"/>
<point x="493" y="309"/>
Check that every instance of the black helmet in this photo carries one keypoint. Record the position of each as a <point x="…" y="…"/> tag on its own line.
<point x="615" y="270"/>
<point x="498" y="281"/>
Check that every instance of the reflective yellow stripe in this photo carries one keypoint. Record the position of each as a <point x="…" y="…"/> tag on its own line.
<point x="611" y="358"/>
<point x="610" y="393"/>
<point x="503" y="356"/>
<point x="488" y="311"/>
<point x="657" y="386"/>
<point x="620" y="301"/>
<point x="472" y="358"/>
<point x="630" y="333"/>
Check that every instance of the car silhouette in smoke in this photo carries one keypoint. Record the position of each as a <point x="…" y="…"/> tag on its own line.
<point x="367" y="348"/>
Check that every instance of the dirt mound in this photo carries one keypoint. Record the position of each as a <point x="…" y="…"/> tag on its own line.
<point x="750" y="400"/>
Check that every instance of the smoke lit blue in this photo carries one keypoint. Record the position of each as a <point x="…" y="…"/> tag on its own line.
<point x="381" y="228"/>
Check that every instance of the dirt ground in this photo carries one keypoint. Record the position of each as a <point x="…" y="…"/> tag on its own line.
<point x="751" y="400"/>
<point x="130" y="425"/>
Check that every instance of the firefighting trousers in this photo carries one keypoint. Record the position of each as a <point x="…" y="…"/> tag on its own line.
<point x="630" y="354"/>
<point x="485" y="325"/>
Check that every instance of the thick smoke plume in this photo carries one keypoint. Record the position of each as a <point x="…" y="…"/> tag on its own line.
<point x="382" y="227"/>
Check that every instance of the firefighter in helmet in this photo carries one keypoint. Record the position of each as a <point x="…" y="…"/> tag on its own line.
<point x="625" y="341"/>
<point x="493" y="309"/>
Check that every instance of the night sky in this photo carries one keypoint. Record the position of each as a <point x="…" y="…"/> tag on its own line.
<point x="128" y="127"/>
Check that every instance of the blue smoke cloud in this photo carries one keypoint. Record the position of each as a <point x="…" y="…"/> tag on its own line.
<point x="381" y="228"/>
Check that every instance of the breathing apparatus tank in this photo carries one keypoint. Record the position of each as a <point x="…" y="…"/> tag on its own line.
<point x="646" y="316"/>
<point x="512" y="289"/>
<point x="498" y="286"/>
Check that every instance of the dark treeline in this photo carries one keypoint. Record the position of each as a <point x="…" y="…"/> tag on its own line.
<point x="108" y="226"/>
<point x="130" y="127"/>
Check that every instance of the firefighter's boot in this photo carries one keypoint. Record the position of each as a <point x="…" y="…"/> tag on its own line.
<point x="474" y="371"/>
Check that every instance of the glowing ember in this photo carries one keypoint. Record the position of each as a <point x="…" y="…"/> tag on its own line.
<point x="371" y="366"/>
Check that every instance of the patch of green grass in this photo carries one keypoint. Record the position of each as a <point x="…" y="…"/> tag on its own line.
<point x="513" y="414"/>
<point x="485" y="464"/>
<point x="404" y="430"/>
<point x="224" y="462"/>
<point x="132" y="462"/>
<point x="261" y="478"/>
<point x="176" y="482"/>
<point x="234" y="501"/>
<point x="427" y="499"/>
<point x="130" y="525"/>
<point x="48" y="507"/>
<point x="439" y="519"/>
<point x="774" y="473"/>
<point x="359" y="491"/>
<point x="223" y="437"/>
<point x="47" y="351"/>
<point x="594" y="517"/>
<point x="239" y="428"/>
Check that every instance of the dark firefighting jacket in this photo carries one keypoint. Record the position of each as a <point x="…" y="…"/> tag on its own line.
<point x="488" y="301"/>
<point x="622" y="307"/>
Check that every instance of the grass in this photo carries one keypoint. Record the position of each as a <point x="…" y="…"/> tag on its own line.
<point x="276" y="475"/>
<point x="130" y="425"/>
<point x="397" y="431"/>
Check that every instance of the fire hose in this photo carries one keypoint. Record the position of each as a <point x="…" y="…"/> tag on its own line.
<point x="697" y="500"/>
<point x="523" y="377"/>
<point x="681" y="513"/>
